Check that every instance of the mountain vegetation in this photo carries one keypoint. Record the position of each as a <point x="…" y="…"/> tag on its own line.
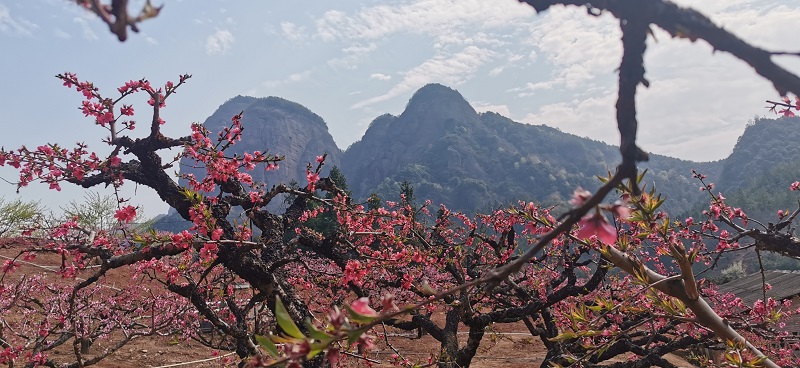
<point x="475" y="162"/>
<point x="445" y="150"/>
<point x="273" y="125"/>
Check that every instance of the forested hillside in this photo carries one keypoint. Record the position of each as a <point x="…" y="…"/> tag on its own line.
<point x="472" y="162"/>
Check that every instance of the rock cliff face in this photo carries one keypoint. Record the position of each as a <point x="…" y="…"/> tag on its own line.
<point x="474" y="162"/>
<point x="277" y="126"/>
<point x="449" y="153"/>
<point x="391" y="143"/>
<point x="273" y="125"/>
<point x="765" y="143"/>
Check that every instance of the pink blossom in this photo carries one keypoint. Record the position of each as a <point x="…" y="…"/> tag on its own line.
<point x="320" y="159"/>
<point x="354" y="272"/>
<point x="9" y="266"/>
<point x="795" y="185"/>
<point x="313" y="178"/>
<point x="47" y="150"/>
<point x="361" y="306"/>
<point x="125" y="214"/>
<point x="208" y="251"/>
<point x="255" y="197"/>
<point x="336" y="317"/>
<point x="387" y="304"/>
<point x="114" y="161"/>
<point x="597" y="225"/>
<point x="332" y="356"/>
<point x="216" y="234"/>
<point x="365" y="344"/>
<point x="298" y="351"/>
<point x="579" y="197"/>
<point x="621" y="211"/>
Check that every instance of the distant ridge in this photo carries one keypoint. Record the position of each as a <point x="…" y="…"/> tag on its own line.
<point x="473" y="162"/>
<point x="270" y="124"/>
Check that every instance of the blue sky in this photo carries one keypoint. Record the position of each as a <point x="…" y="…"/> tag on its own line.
<point x="352" y="60"/>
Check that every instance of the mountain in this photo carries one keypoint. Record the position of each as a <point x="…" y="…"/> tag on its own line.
<point x="765" y="144"/>
<point x="278" y="126"/>
<point x="269" y="124"/>
<point x="475" y="162"/>
<point x="763" y="164"/>
<point x="756" y="177"/>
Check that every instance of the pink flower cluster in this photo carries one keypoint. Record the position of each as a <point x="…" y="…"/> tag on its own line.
<point x="125" y="214"/>
<point x="220" y="168"/>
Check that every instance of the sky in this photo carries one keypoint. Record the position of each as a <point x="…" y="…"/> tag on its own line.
<point x="350" y="61"/>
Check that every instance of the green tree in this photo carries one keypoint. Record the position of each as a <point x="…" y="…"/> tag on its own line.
<point x="373" y="202"/>
<point x="340" y="180"/>
<point x="16" y="215"/>
<point x="407" y="196"/>
<point x="327" y="223"/>
<point x="96" y="212"/>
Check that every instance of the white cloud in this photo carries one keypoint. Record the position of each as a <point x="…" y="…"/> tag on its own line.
<point x="353" y="56"/>
<point x="220" y="42"/>
<point x="12" y="25"/>
<point x="530" y="88"/>
<point x="380" y="76"/>
<point x="293" y="32"/>
<point x="461" y="38"/>
<point x="60" y="33"/>
<point x="292" y="78"/>
<point x="481" y="106"/>
<point x="699" y="101"/>
<point x="298" y="77"/>
<point x="592" y="117"/>
<point x="579" y="48"/>
<point x="452" y="70"/>
<point x="88" y="33"/>
<point x="434" y="17"/>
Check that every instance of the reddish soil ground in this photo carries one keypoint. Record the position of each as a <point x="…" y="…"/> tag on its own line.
<point x="505" y="346"/>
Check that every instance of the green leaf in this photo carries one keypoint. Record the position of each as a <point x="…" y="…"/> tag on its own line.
<point x="360" y="318"/>
<point x="427" y="289"/>
<point x="602" y="350"/>
<point x="313" y="352"/>
<point x="641" y="176"/>
<point x="316" y="333"/>
<point x="564" y="336"/>
<point x="659" y="202"/>
<point x="268" y="345"/>
<point x="284" y="339"/>
<point x="353" y="336"/>
<point x="285" y="321"/>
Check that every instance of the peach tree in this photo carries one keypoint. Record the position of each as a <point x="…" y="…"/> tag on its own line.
<point x="270" y="285"/>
